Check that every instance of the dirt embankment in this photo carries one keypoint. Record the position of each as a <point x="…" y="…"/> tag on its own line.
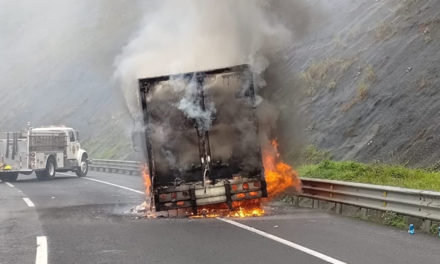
<point x="366" y="82"/>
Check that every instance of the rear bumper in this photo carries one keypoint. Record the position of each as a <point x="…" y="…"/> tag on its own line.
<point x="195" y="195"/>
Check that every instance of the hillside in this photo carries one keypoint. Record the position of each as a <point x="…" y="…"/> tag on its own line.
<point x="361" y="82"/>
<point x="366" y="82"/>
<point x="57" y="67"/>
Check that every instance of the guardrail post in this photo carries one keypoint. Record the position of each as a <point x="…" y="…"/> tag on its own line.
<point x="338" y="208"/>
<point x="426" y="226"/>
<point x="297" y="201"/>
<point x="363" y="213"/>
<point x="315" y="203"/>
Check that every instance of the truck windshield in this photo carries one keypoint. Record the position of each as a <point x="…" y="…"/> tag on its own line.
<point x="71" y="136"/>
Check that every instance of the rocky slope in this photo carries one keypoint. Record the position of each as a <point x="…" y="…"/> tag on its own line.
<point x="366" y="82"/>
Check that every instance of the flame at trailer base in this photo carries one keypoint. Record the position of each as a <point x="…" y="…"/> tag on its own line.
<point x="241" y="209"/>
<point x="279" y="176"/>
<point x="147" y="181"/>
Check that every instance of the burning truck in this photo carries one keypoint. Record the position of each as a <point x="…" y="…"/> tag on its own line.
<point x="201" y="141"/>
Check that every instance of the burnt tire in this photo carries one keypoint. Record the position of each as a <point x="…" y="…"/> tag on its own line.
<point x="49" y="172"/>
<point x="9" y="176"/>
<point x="83" y="168"/>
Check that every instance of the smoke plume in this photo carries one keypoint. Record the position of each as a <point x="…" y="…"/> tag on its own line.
<point x="185" y="36"/>
<point x="197" y="35"/>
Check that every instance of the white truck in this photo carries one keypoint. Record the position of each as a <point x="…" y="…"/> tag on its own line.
<point x="44" y="151"/>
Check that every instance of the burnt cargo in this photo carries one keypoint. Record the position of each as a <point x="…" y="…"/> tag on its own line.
<point x="201" y="138"/>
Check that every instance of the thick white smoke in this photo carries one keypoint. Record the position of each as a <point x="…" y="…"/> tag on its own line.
<point x="190" y="103"/>
<point x="185" y="36"/>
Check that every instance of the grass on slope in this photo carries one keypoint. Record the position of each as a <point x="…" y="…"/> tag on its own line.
<point x="373" y="173"/>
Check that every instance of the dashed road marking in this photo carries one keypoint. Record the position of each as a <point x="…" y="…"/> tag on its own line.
<point x="10" y="184"/>
<point x="285" y="242"/>
<point x="28" y="202"/>
<point x="41" y="256"/>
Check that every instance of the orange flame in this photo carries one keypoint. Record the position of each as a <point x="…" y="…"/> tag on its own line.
<point x="246" y="208"/>
<point x="279" y="175"/>
<point x="147" y="181"/>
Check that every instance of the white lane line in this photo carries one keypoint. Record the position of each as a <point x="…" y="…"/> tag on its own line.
<point x="41" y="256"/>
<point x="28" y="202"/>
<point x="285" y="242"/>
<point x="115" y="185"/>
<point x="66" y="174"/>
<point x="108" y="183"/>
<point x="10" y="184"/>
<point x="251" y="229"/>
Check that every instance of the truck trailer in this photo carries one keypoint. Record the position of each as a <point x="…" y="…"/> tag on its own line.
<point x="201" y="138"/>
<point x="42" y="150"/>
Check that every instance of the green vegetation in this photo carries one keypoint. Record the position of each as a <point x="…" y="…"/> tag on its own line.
<point x="384" y="31"/>
<point x="368" y="77"/>
<point x="325" y="73"/>
<point x="374" y="174"/>
<point x="313" y="155"/>
<point x="435" y="228"/>
<point x="362" y="90"/>
<point x="393" y="219"/>
<point x="331" y="85"/>
<point x="108" y="146"/>
<point x="369" y="74"/>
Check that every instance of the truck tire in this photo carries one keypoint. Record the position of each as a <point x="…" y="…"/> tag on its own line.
<point x="9" y="176"/>
<point x="83" y="168"/>
<point x="49" y="172"/>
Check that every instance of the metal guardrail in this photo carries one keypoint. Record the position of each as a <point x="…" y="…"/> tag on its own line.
<point x="116" y="166"/>
<point x="417" y="203"/>
<point x="410" y="202"/>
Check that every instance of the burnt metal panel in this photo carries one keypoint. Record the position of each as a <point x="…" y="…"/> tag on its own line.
<point x="202" y="140"/>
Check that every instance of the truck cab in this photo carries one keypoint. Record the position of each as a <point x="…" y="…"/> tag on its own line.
<point x="43" y="150"/>
<point x="75" y="158"/>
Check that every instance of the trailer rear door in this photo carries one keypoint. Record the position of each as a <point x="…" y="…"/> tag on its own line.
<point x="175" y="130"/>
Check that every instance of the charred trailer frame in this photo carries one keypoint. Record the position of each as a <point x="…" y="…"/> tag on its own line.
<point x="197" y="166"/>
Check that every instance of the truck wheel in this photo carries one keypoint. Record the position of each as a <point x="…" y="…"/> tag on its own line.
<point x="83" y="169"/>
<point x="49" y="172"/>
<point x="9" y="176"/>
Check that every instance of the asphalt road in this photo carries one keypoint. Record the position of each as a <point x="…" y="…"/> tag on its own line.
<point x="88" y="221"/>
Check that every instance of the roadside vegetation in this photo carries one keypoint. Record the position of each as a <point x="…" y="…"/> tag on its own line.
<point x="108" y="146"/>
<point x="368" y="78"/>
<point x="380" y="174"/>
<point x="324" y="74"/>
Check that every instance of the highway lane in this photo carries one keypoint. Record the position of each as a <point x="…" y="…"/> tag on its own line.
<point x="88" y="222"/>
<point x="19" y="227"/>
